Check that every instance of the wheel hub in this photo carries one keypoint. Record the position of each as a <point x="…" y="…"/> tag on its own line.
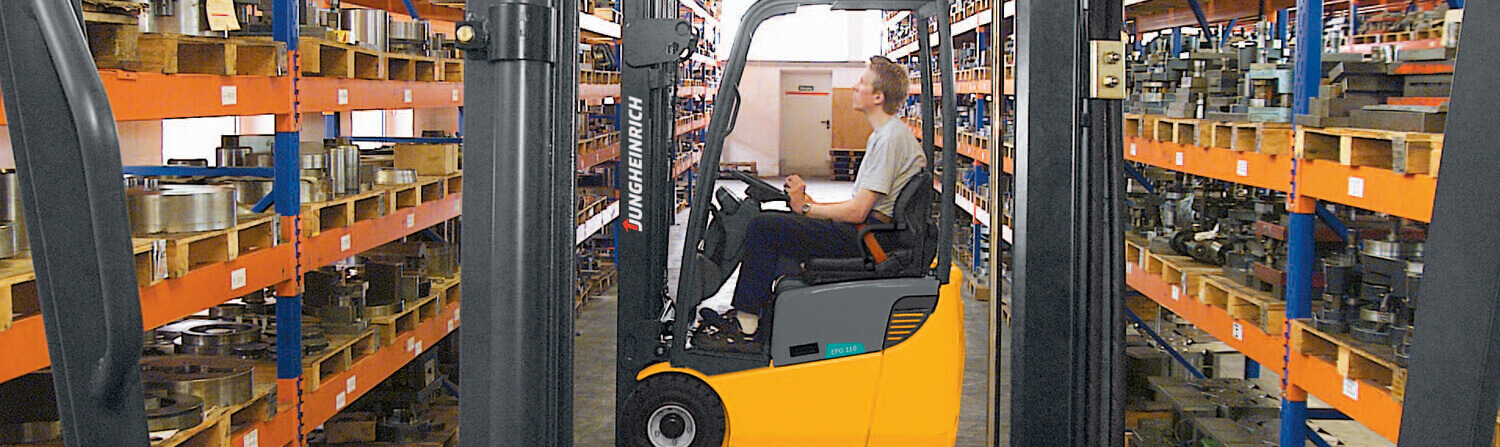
<point x="671" y="426"/>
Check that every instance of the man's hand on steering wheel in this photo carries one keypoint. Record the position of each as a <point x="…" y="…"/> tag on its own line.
<point x="796" y="189"/>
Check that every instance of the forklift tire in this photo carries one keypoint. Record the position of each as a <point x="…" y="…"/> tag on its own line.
<point x="672" y="410"/>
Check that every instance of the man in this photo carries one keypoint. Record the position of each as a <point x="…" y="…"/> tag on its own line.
<point x="777" y="243"/>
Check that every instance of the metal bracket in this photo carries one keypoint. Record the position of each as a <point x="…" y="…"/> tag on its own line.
<point x="1107" y="66"/>
<point x="510" y="32"/>
<point x="658" y="41"/>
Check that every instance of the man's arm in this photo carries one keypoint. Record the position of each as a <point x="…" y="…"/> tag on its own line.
<point x="853" y="211"/>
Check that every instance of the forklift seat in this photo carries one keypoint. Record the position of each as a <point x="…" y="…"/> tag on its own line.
<point x="911" y="229"/>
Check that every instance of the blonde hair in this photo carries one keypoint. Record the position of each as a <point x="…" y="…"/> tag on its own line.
<point x="890" y="81"/>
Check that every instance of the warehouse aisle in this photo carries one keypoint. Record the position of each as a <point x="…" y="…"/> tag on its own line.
<point x="594" y="354"/>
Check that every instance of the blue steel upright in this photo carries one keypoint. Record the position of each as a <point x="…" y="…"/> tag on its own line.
<point x="1307" y="70"/>
<point x="287" y="189"/>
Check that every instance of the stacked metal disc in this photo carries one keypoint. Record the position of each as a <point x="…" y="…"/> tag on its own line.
<point x="213" y="337"/>
<point x="169" y="410"/>
<point x="217" y="380"/>
<point x="314" y="340"/>
<point x="181" y="208"/>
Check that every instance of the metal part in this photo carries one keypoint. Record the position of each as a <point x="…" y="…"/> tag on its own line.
<point x="314" y="189"/>
<point x="184" y="17"/>
<point x="230" y="156"/>
<point x="220" y="334"/>
<point x="393" y="176"/>
<point x="181" y="208"/>
<point x="367" y="27"/>
<point x="10" y="207"/>
<point x="28" y="409"/>
<point x="1107" y="66"/>
<point x="168" y="410"/>
<point x="9" y="243"/>
<point x="219" y="381"/>
<point x="343" y="170"/>
<point x="249" y="192"/>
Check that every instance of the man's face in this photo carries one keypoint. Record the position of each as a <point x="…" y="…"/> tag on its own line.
<point x="865" y="97"/>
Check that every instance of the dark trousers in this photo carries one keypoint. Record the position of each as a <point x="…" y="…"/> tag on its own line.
<point x="777" y="244"/>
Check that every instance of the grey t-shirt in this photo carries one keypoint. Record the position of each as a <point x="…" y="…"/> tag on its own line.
<point x="892" y="157"/>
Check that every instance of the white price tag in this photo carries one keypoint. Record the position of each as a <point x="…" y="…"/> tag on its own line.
<point x="1129" y="267"/>
<point x="411" y="220"/>
<point x="1356" y="187"/>
<point x="237" y="278"/>
<point x="1351" y="388"/>
<point x="339" y="401"/>
<point x="1176" y="293"/>
<point x="455" y="313"/>
<point x="229" y="95"/>
<point x="345" y="242"/>
<point x="349" y="384"/>
<point x="1239" y="331"/>
<point x="458" y="207"/>
<point x="1242" y="168"/>
<point x="450" y="325"/>
<point x="419" y="346"/>
<point x="343" y="96"/>
<point x="406" y="95"/>
<point x="455" y="95"/>
<point x="252" y="439"/>
<point x="411" y="344"/>
<point x="1132" y="149"/>
<point x="1178" y="159"/>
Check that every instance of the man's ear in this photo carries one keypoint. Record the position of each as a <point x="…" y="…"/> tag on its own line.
<point x="879" y="99"/>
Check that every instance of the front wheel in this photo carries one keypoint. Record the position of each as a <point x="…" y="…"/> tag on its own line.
<point x="672" y="410"/>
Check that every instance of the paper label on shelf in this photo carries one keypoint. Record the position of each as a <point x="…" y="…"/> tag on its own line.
<point x="1176" y="293"/>
<point x="345" y="242"/>
<point x="411" y="220"/>
<point x="455" y="95"/>
<point x="1132" y="149"/>
<point x="406" y="95"/>
<point x="1178" y="159"/>
<point x="252" y="439"/>
<point x="1238" y="331"/>
<point x="343" y="96"/>
<point x="455" y="313"/>
<point x="450" y="325"/>
<point x="339" y="401"/>
<point x="221" y="15"/>
<point x="1351" y="388"/>
<point x="237" y="278"/>
<point x="419" y="346"/>
<point x="229" y="95"/>
<point x="349" y="384"/>
<point x="1128" y="267"/>
<point x="411" y="343"/>
<point x="1356" y="187"/>
<point x="1242" y="168"/>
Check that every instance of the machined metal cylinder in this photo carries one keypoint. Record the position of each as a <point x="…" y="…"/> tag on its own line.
<point x="219" y="381"/>
<point x="250" y="191"/>
<point x="167" y="410"/>
<point x="10" y="208"/>
<point x="230" y="156"/>
<point x="343" y="169"/>
<point x="214" y="333"/>
<point x="181" y="208"/>
<point x="393" y="176"/>
<point x="368" y="27"/>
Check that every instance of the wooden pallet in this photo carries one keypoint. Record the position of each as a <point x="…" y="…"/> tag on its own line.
<point x="331" y="59"/>
<point x="1402" y="152"/>
<point x="1242" y="303"/>
<point x="452" y="69"/>
<point x="598" y="77"/>
<point x="1265" y="138"/>
<point x="411" y="67"/>
<point x="402" y="196"/>
<point x="392" y="326"/>
<point x="220" y="422"/>
<point x="598" y="142"/>
<point x="174" y="53"/>
<point x="114" y="45"/>
<point x="342" y="352"/>
<point x="1136" y="250"/>
<point x="1184" y="131"/>
<point x="455" y="183"/>
<point x="1397" y="36"/>
<point x="186" y="252"/>
<point x="1184" y="272"/>
<point x="432" y="187"/>
<point x="596" y="284"/>
<point x="345" y="211"/>
<point x="1371" y="363"/>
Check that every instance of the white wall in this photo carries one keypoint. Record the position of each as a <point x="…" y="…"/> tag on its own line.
<point x="812" y="34"/>
<point x="757" y="133"/>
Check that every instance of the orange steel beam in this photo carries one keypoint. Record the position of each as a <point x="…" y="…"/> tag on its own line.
<point x="1249" y="168"/>
<point x="424" y="8"/>
<point x="1374" y="189"/>
<point x="1264" y="348"/>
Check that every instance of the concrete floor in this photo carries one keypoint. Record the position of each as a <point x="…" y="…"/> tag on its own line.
<point x="594" y="354"/>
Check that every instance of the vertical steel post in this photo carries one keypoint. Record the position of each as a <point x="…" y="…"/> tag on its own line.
<point x="1282" y="16"/>
<point x="1454" y="374"/>
<point x="1299" y="271"/>
<point x="1307" y="69"/>
<point x="1068" y="324"/>
<point x="517" y="242"/>
<point x="1176" y="41"/>
<point x="68" y="159"/>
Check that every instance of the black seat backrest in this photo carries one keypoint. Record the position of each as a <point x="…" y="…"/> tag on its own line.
<point x="914" y="212"/>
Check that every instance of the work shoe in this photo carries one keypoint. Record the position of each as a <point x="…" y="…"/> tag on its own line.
<point x="718" y="332"/>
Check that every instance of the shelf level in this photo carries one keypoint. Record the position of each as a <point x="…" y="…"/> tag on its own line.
<point x="1374" y="407"/>
<point x="1374" y="189"/>
<point x="978" y="154"/>
<point x="612" y="151"/>
<point x="968" y="24"/>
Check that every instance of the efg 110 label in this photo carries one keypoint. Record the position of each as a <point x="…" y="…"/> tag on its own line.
<point x="836" y="350"/>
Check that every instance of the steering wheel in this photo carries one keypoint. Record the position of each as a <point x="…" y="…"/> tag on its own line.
<point x="759" y="189"/>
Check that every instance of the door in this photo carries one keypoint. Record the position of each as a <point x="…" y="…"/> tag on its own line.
<point x="806" y="122"/>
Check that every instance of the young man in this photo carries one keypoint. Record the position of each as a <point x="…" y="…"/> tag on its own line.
<point x="777" y="244"/>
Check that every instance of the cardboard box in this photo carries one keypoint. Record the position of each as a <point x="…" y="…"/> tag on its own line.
<point x="428" y="159"/>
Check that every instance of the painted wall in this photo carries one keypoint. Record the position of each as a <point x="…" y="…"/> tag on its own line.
<point x="757" y="133"/>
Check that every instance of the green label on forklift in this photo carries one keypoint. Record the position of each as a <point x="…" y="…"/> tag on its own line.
<point x="836" y="350"/>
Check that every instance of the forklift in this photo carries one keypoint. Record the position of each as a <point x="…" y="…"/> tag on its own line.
<point x="862" y="351"/>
